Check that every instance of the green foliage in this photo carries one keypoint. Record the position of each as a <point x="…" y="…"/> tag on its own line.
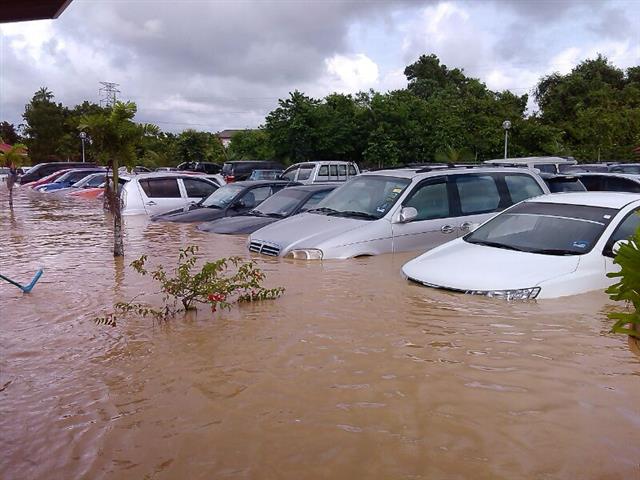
<point x="194" y="146"/>
<point x="184" y="288"/>
<point x="44" y="126"/>
<point x="16" y="156"/>
<point x="8" y="133"/>
<point x="627" y="289"/>
<point x="251" y="145"/>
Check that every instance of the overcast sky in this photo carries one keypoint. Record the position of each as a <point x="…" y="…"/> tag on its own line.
<point x="212" y="65"/>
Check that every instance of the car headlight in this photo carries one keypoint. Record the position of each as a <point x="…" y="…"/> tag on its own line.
<point x="517" y="294"/>
<point x="305" y="254"/>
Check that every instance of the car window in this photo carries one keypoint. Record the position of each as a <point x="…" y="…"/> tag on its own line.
<point x="304" y="173"/>
<point x="333" y="172"/>
<point x="431" y="200"/>
<point x="592" y="182"/>
<point x="323" y="173"/>
<point x="342" y="172"/>
<point x="290" y="173"/>
<point x="314" y="200"/>
<point x="545" y="167"/>
<point x="621" y="185"/>
<point x="477" y="193"/>
<point x="160" y="187"/>
<point x="352" y="170"/>
<point x="522" y="187"/>
<point x="624" y="231"/>
<point x="198" y="188"/>
<point x="569" y="185"/>
<point x="255" y="196"/>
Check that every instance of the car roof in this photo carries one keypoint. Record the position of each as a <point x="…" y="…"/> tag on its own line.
<point x="615" y="200"/>
<point x="436" y="171"/>
<point x="163" y="174"/>
<point x="316" y="187"/>
<point x="630" y="176"/>
<point x="249" y="183"/>
<point x="541" y="160"/>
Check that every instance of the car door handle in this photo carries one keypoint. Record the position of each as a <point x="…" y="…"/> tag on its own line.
<point x="446" y="229"/>
<point x="465" y="226"/>
<point x="151" y="203"/>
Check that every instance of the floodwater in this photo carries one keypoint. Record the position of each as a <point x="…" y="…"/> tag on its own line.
<point x="353" y="373"/>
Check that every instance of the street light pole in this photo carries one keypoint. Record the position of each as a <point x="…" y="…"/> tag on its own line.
<point x="506" y="125"/>
<point x="83" y="137"/>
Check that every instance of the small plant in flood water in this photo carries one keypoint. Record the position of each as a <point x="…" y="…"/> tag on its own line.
<point x="627" y="288"/>
<point x="183" y="289"/>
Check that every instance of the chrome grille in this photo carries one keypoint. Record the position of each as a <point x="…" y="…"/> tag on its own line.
<point x="264" y="248"/>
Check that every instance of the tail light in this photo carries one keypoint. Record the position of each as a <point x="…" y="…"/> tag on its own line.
<point x="229" y="178"/>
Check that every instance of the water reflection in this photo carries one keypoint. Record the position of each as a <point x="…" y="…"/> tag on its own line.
<point x="354" y="373"/>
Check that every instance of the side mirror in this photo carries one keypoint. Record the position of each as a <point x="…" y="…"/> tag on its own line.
<point x="617" y="245"/>
<point x="407" y="214"/>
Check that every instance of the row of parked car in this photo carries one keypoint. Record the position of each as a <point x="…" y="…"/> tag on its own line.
<point x="542" y="245"/>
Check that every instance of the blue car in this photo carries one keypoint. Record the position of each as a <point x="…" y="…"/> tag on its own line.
<point x="68" y="179"/>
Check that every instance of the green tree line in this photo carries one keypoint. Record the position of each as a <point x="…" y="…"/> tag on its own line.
<point x="591" y="113"/>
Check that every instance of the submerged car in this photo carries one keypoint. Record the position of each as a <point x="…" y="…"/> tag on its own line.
<point x="282" y="204"/>
<point x="68" y="179"/>
<point x="232" y="199"/>
<point x="159" y="192"/>
<point x="397" y="210"/>
<point x="545" y="247"/>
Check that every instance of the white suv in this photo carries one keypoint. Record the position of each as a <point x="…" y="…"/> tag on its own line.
<point x="397" y="210"/>
<point x="331" y="171"/>
<point x="159" y="192"/>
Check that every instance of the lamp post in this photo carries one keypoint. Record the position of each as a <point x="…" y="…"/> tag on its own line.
<point x="506" y="125"/>
<point x="83" y="137"/>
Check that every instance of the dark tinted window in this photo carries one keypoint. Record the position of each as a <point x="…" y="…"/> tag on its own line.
<point x="624" y="231"/>
<point x="592" y="182"/>
<point x="558" y="186"/>
<point x="431" y="200"/>
<point x="305" y="172"/>
<point x="323" y="173"/>
<point x="352" y="170"/>
<point x="478" y="194"/>
<point x="255" y="196"/>
<point x="522" y="187"/>
<point x="546" y="168"/>
<point x="621" y="185"/>
<point x="198" y="188"/>
<point x="160" y="187"/>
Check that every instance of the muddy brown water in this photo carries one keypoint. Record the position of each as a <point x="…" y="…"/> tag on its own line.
<point x="353" y="373"/>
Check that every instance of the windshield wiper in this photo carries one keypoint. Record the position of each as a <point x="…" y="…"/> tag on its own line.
<point x="323" y="210"/>
<point x="555" y="251"/>
<point x="488" y="243"/>
<point x="355" y="213"/>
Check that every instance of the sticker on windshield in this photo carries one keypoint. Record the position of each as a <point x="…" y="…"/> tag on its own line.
<point x="382" y="208"/>
<point x="581" y="244"/>
<point x="396" y="190"/>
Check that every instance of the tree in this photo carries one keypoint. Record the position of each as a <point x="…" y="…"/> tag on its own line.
<point x="251" y="145"/>
<point x="115" y="137"/>
<point x="45" y="126"/>
<point x="8" y="133"/>
<point x="13" y="158"/>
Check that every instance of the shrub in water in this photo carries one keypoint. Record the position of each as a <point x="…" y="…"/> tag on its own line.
<point x="219" y="284"/>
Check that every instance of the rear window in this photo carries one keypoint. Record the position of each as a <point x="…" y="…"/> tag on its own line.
<point x="622" y="185"/>
<point x="352" y="170"/>
<point x="522" y="187"/>
<point x="227" y="169"/>
<point x="160" y="187"/>
<point x="545" y="167"/>
<point x="305" y="172"/>
<point x="477" y="193"/>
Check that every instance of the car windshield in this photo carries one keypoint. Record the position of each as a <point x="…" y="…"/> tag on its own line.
<point x="281" y="204"/>
<point x="90" y="181"/>
<point x="222" y="197"/>
<point x="626" y="169"/>
<point x="546" y="228"/>
<point x="368" y="197"/>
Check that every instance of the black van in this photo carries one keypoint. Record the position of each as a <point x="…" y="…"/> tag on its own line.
<point x="203" y="167"/>
<point x="241" y="170"/>
<point x="42" y="170"/>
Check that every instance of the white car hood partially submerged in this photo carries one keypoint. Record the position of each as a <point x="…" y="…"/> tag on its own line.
<point x="464" y="266"/>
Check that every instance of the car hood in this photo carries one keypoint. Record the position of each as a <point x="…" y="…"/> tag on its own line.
<point x="460" y="265"/>
<point x="198" y="214"/>
<point x="237" y="225"/>
<point x="307" y="230"/>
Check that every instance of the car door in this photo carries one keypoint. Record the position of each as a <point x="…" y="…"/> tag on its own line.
<point x="195" y="189"/>
<point x="623" y="231"/>
<point x="433" y="201"/>
<point x="476" y="198"/>
<point x="160" y="195"/>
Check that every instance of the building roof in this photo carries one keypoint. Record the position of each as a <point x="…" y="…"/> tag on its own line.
<point x="227" y="134"/>
<point x="25" y="10"/>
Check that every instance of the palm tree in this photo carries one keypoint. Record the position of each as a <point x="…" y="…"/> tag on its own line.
<point x="43" y="95"/>
<point x="13" y="158"/>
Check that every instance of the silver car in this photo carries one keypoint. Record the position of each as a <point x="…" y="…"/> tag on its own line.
<point x="397" y="210"/>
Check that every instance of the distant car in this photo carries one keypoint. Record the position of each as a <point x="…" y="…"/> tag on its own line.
<point x="45" y="180"/>
<point x="610" y="182"/>
<point x="562" y="183"/>
<point x="321" y="172"/>
<point x="202" y="167"/>
<point x="95" y="192"/>
<point x="282" y="204"/>
<point x="42" y="170"/>
<point x="166" y="169"/>
<point x="68" y="179"/>
<point x="159" y="192"/>
<point x="545" y="247"/>
<point x="625" y="168"/>
<point x="603" y="167"/>
<point x="265" y="175"/>
<point x="238" y="170"/>
<point x="397" y="210"/>
<point x="233" y="199"/>
<point x="134" y="170"/>
<point x="543" y="164"/>
<point x="90" y="181"/>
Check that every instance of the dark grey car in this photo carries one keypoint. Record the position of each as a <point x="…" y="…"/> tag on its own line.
<point x="285" y="203"/>
<point x="232" y="199"/>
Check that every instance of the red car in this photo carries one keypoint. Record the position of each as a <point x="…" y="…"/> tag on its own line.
<point x="48" y="179"/>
